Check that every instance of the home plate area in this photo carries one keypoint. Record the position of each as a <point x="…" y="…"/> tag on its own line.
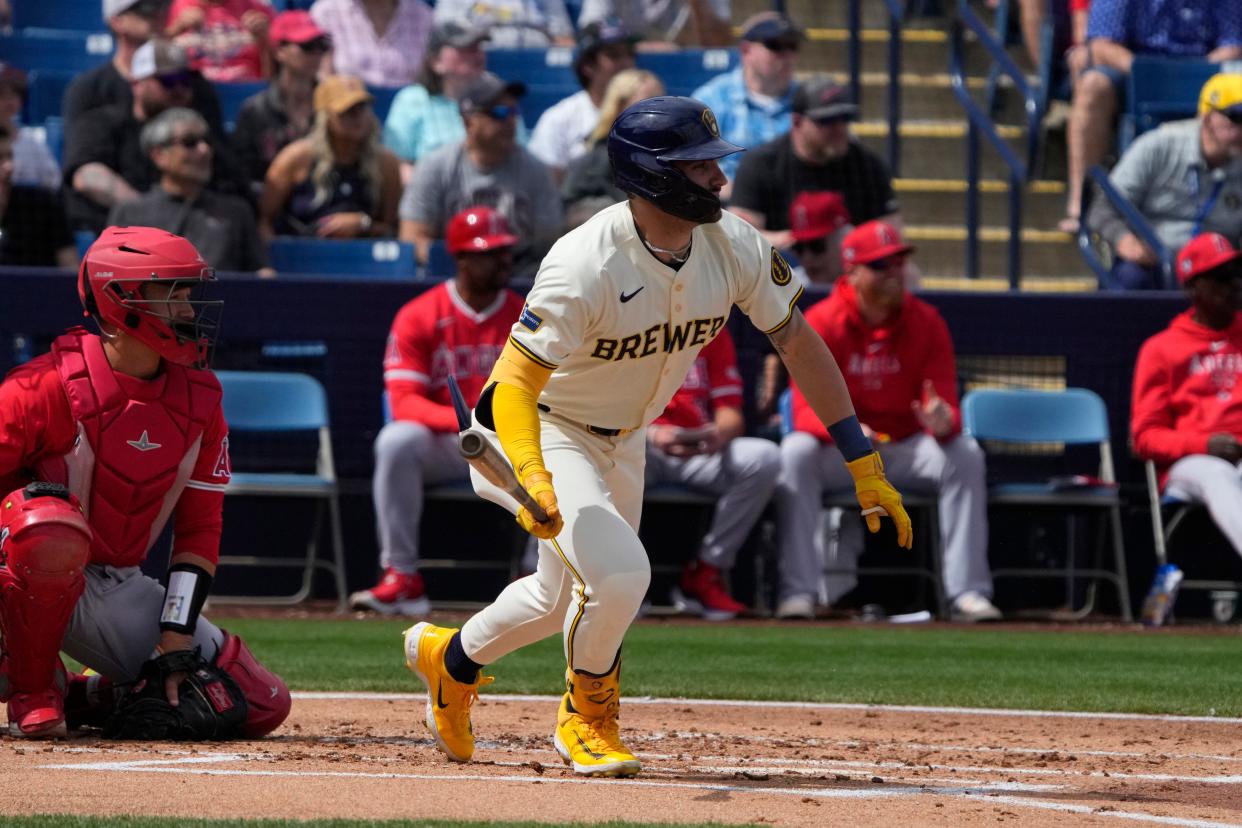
<point x="368" y="756"/>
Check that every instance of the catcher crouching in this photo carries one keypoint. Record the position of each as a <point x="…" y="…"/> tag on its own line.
<point x="102" y="442"/>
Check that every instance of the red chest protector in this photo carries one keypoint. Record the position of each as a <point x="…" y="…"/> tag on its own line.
<point x="132" y="455"/>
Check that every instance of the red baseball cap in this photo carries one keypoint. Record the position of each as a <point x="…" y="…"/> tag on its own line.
<point x="1204" y="252"/>
<point x="871" y="241"/>
<point x="477" y="230"/>
<point x="294" y="27"/>
<point x="815" y="214"/>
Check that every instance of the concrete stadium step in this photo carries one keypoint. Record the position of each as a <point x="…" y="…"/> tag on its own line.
<point x="937" y="148"/>
<point x="925" y="97"/>
<point x="942" y="251"/>
<point x="936" y="201"/>
<point x="922" y="51"/>
<point x="820" y="13"/>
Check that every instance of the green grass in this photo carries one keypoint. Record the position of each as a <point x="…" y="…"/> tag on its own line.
<point x="1052" y="670"/>
<point x="72" y="821"/>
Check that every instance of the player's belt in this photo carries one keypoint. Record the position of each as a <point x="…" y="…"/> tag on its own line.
<point x="597" y="430"/>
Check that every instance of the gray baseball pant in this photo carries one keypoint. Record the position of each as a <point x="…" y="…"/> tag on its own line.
<point x="116" y="623"/>
<point x="742" y="475"/>
<point x="954" y="470"/>
<point x="1216" y="483"/>
<point x="408" y="456"/>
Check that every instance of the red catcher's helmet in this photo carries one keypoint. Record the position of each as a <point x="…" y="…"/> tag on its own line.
<point x="477" y="230"/>
<point x="121" y="261"/>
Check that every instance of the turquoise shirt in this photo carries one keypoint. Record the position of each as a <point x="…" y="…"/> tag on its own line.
<point x="419" y="123"/>
<point x="744" y="120"/>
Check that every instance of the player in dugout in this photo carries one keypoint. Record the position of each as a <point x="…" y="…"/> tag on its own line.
<point x="619" y="310"/>
<point x="103" y="440"/>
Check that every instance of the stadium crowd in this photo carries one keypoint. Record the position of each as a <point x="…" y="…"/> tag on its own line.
<point x="452" y="164"/>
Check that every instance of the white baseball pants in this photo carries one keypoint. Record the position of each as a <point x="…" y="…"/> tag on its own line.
<point x="1216" y="483"/>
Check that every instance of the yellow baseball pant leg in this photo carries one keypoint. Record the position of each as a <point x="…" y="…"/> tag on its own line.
<point x="592" y="577"/>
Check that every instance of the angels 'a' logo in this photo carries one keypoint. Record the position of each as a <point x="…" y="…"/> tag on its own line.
<point x="781" y="274"/>
<point x="223" y="469"/>
<point x="709" y="121"/>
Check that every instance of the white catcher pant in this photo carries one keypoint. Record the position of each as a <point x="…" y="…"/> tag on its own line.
<point x="592" y="577"/>
<point x="1216" y="483"/>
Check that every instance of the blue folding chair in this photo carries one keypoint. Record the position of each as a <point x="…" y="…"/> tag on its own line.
<point x="33" y="49"/>
<point x="378" y="259"/>
<point x="1075" y="416"/>
<point x="271" y="402"/>
<point x="927" y="505"/>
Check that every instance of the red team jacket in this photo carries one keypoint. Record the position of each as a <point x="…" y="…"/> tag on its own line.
<point x="437" y="334"/>
<point x="884" y="367"/>
<point x="712" y="381"/>
<point x="1186" y="388"/>
<point x="133" y="451"/>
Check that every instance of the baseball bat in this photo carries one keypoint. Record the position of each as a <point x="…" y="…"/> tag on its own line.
<point x="483" y="457"/>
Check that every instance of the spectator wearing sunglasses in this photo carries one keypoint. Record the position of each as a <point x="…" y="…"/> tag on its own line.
<point x="487" y="168"/>
<point x="1185" y="178"/>
<point x="897" y="358"/>
<point x="133" y="23"/>
<point x="272" y="119"/>
<point x="604" y="49"/>
<point x="817" y="154"/>
<point x="338" y="182"/>
<point x="222" y="227"/>
<point x="105" y="164"/>
<point x="753" y="102"/>
<point x="225" y="39"/>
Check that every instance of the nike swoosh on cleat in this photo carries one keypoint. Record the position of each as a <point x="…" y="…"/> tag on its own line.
<point x="593" y="754"/>
<point x="440" y="702"/>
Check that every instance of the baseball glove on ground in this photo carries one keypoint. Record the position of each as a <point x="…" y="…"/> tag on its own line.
<point x="211" y="705"/>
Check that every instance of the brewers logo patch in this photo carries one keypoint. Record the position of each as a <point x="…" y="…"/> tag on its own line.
<point x="709" y="121"/>
<point x="781" y="274"/>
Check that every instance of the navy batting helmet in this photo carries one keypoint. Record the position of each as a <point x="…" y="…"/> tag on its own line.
<point x="649" y="136"/>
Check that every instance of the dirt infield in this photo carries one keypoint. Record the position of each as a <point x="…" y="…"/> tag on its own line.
<point x="368" y="756"/>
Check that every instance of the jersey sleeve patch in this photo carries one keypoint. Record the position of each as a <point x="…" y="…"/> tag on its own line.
<point x="529" y="319"/>
<point x="781" y="273"/>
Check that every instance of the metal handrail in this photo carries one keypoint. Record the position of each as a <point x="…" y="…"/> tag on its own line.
<point x="979" y="121"/>
<point x="1134" y="220"/>
<point x="896" y="15"/>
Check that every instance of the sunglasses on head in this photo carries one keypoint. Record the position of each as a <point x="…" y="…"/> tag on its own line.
<point x="502" y="112"/>
<point x="174" y="80"/>
<point x="149" y="8"/>
<point x="781" y="45"/>
<point x="188" y="141"/>
<point x="319" y="45"/>
<point x="814" y="246"/>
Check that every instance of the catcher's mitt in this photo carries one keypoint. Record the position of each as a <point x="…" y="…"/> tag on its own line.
<point x="210" y="704"/>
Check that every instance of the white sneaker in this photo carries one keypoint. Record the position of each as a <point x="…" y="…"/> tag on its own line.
<point x="972" y="606"/>
<point x="796" y="606"/>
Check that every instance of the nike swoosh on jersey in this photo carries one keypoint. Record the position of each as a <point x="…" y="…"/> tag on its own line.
<point x="625" y="297"/>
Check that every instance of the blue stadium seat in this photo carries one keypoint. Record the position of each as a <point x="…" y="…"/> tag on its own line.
<point x="542" y="97"/>
<point x="1159" y="90"/>
<point x="47" y="91"/>
<point x="232" y="96"/>
<point x="54" y="129"/>
<point x="383" y="99"/>
<point x="544" y="67"/>
<point x="686" y="70"/>
<point x="383" y="259"/>
<point x="440" y="265"/>
<point x="33" y="49"/>
<point x="79" y="15"/>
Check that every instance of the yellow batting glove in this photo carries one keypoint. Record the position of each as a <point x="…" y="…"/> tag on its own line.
<point x="878" y="497"/>
<point x="539" y="484"/>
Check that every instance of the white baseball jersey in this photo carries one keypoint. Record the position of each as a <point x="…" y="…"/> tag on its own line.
<point x="620" y="328"/>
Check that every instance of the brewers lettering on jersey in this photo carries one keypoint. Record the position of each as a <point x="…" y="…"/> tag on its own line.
<point x="619" y="311"/>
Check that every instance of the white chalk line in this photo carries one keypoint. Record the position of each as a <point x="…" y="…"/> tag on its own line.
<point x="791" y="705"/>
<point x="990" y="794"/>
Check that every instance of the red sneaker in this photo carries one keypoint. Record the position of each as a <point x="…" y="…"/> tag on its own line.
<point x="701" y="591"/>
<point x="37" y="715"/>
<point x="396" y="594"/>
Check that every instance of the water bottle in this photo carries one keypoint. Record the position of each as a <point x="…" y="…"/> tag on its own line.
<point x="1159" y="602"/>
<point x="22" y="349"/>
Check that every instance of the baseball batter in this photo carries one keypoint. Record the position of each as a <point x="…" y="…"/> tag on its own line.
<point x="103" y="441"/>
<point x="620" y="309"/>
